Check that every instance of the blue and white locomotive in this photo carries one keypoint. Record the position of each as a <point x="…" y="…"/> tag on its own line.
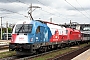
<point x="27" y="36"/>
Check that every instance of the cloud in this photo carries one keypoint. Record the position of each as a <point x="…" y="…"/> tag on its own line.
<point x="46" y="2"/>
<point x="15" y="7"/>
<point x="59" y="10"/>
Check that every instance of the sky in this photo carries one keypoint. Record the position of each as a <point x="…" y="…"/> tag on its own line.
<point x="61" y="11"/>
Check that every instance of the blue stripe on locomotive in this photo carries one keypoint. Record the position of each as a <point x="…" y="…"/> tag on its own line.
<point x="43" y="36"/>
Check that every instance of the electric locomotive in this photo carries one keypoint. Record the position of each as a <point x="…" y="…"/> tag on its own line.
<point x="32" y="36"/>
<point x="85" y="31"/>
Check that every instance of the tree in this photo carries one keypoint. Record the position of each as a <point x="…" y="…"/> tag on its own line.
<point x="9" y="30"/>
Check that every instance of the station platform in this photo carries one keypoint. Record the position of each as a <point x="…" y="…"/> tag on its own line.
<point x="83" y="56"/>
<point x="5" y="40"/>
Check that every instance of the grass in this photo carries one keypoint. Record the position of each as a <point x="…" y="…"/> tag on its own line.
<point x="43" y="57"/>
<point x="7" y="54"/>
<point x="54" y="54"/>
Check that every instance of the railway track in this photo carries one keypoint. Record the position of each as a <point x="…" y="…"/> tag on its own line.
<point x="4" y="47"/>
<point x="26" y="57"/>
<point x="72" y="54"/>
<point x="69" y="55"/>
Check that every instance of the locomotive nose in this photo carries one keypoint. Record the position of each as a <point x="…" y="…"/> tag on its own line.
<point x="19" y="38"/>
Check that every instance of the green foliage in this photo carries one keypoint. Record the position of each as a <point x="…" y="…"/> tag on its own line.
<point x="6" y="54"/>
<point x="9" y="30"/>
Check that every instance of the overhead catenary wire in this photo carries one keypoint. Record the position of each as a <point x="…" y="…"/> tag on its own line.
<point x="77" y="9"/>
<point x="49" y="13"/>
<point x="18" y="1"/>
<point x="5" y="13"/>
<point x="46" y="11"/>
<point x="47" y="6"/>
<point x="43" y="10"/>
<point x="53" y="10"/>
<point x="52" y="14"/>
<point x="30" y="13"/>
<point x="17" y="12"/>
<point x="82" y="7"/>
<point x="14" y="12"/>
<point x="21" y="2"/>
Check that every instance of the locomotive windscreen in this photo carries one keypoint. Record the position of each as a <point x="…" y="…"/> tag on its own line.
<point x="86" y="28"/>
<point x="23" y="28"/>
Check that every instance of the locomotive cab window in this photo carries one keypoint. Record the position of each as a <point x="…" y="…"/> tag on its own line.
<point x="38" y="29"/>
<point x="23" y="28"/>
<point x="86" y="28"/>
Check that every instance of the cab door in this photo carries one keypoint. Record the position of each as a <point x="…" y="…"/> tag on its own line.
<point x="42" y="34"/>
<point x="39" y="36"/>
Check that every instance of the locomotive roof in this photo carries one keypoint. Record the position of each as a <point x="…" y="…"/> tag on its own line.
<point x="76" y="24"/>
<point x="47" y="22"/>
<point x="27" y="21"/>
<point x="32" y="21"/>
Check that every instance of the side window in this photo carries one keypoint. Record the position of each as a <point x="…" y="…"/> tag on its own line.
<point x="66" y="31"/>
<point x="70" y="32"/>
<point x="38" y="29"/>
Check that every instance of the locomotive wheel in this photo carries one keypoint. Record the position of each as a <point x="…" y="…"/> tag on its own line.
<point x="78" y="43"/>
<point x="62" y="45"/>
<point x="41" y="49"/>
<point x="68" y="45"/>
<point x="49" y="47"/>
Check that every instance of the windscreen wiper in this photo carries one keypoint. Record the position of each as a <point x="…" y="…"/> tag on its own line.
<point x="21" y="28"/>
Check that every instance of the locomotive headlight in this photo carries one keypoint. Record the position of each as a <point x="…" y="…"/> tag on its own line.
<point x="31" y="40"/>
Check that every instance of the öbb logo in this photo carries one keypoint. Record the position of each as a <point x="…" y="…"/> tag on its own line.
<point x="21" y="38"/>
